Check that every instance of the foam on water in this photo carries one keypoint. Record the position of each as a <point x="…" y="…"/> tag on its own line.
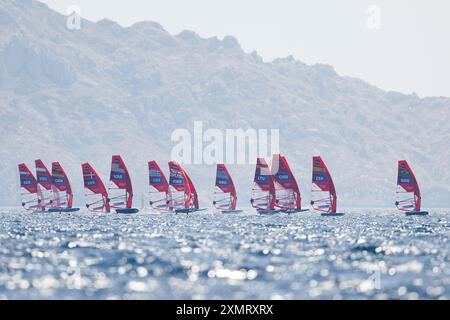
<point x="366" y="254"/>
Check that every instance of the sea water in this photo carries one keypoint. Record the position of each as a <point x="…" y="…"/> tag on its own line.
<point x="366" y="254"/>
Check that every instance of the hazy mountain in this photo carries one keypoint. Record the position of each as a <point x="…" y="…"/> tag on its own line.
<point x="83" y="95"/>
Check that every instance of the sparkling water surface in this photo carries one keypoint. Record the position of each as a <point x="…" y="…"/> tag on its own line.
<point x="366" y="254"/>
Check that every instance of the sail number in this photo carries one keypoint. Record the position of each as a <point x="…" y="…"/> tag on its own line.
<point x="118" y="176"/>
<point x="319" y="178"/>
<point x="155" y="180"/>
<point x="90" y="182"/>
<point x="27" y="182"/>
<point x="222" y="181"/>
<point x="262" y="178"/>
<point x="405" y="180"/>
<point x="176" y="181"/>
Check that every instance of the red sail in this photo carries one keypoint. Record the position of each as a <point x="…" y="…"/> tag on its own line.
<point x="408" y="192"/>
<point x="120" y="189"/>
<point x="29" y="189"/>
<point x="225" y="192"/>
<point x="287" y="193"/>
<point x="95" y="192"/>
<point x="44" y="179"/>
<point x="263" y="192"/>
<point x="62" y="191"/>
<point x="182" y="192"/>
<point x="194" y="194"/>
<point x="159" y="187"/>
<point x="323" y="193"/>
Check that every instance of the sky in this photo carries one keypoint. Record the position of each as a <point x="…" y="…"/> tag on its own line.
<point x="401" y="45"/>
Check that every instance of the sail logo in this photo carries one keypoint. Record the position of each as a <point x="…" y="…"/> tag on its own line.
<point x="117" y="167"/>
<point x="89" y="174"/>
<point x="154" y="173"/>
<point x="58" y="174"/>
<point x="404" y="172"/>
<point x="230" y="146"/>
<point x="176" y="177"/>
<point x="222" y="174"/>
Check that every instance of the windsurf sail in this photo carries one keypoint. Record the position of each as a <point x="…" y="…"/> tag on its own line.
<point x="408" y="196"/>
<point x="44" y="179"/>
<point x="62" y="191"/>
<point x="323" y="192"/>
<point x="95" y="192"/>
<point x="159" y="187"/>
<point x="194" y="194"/>
<point x="120" y="189"/>
<point x="225" y="192"/>
<point x="263" y="191"/>
<point x="182" y="193"/>
<point x="287" y="193"/>
<point x="29" y="189"/>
